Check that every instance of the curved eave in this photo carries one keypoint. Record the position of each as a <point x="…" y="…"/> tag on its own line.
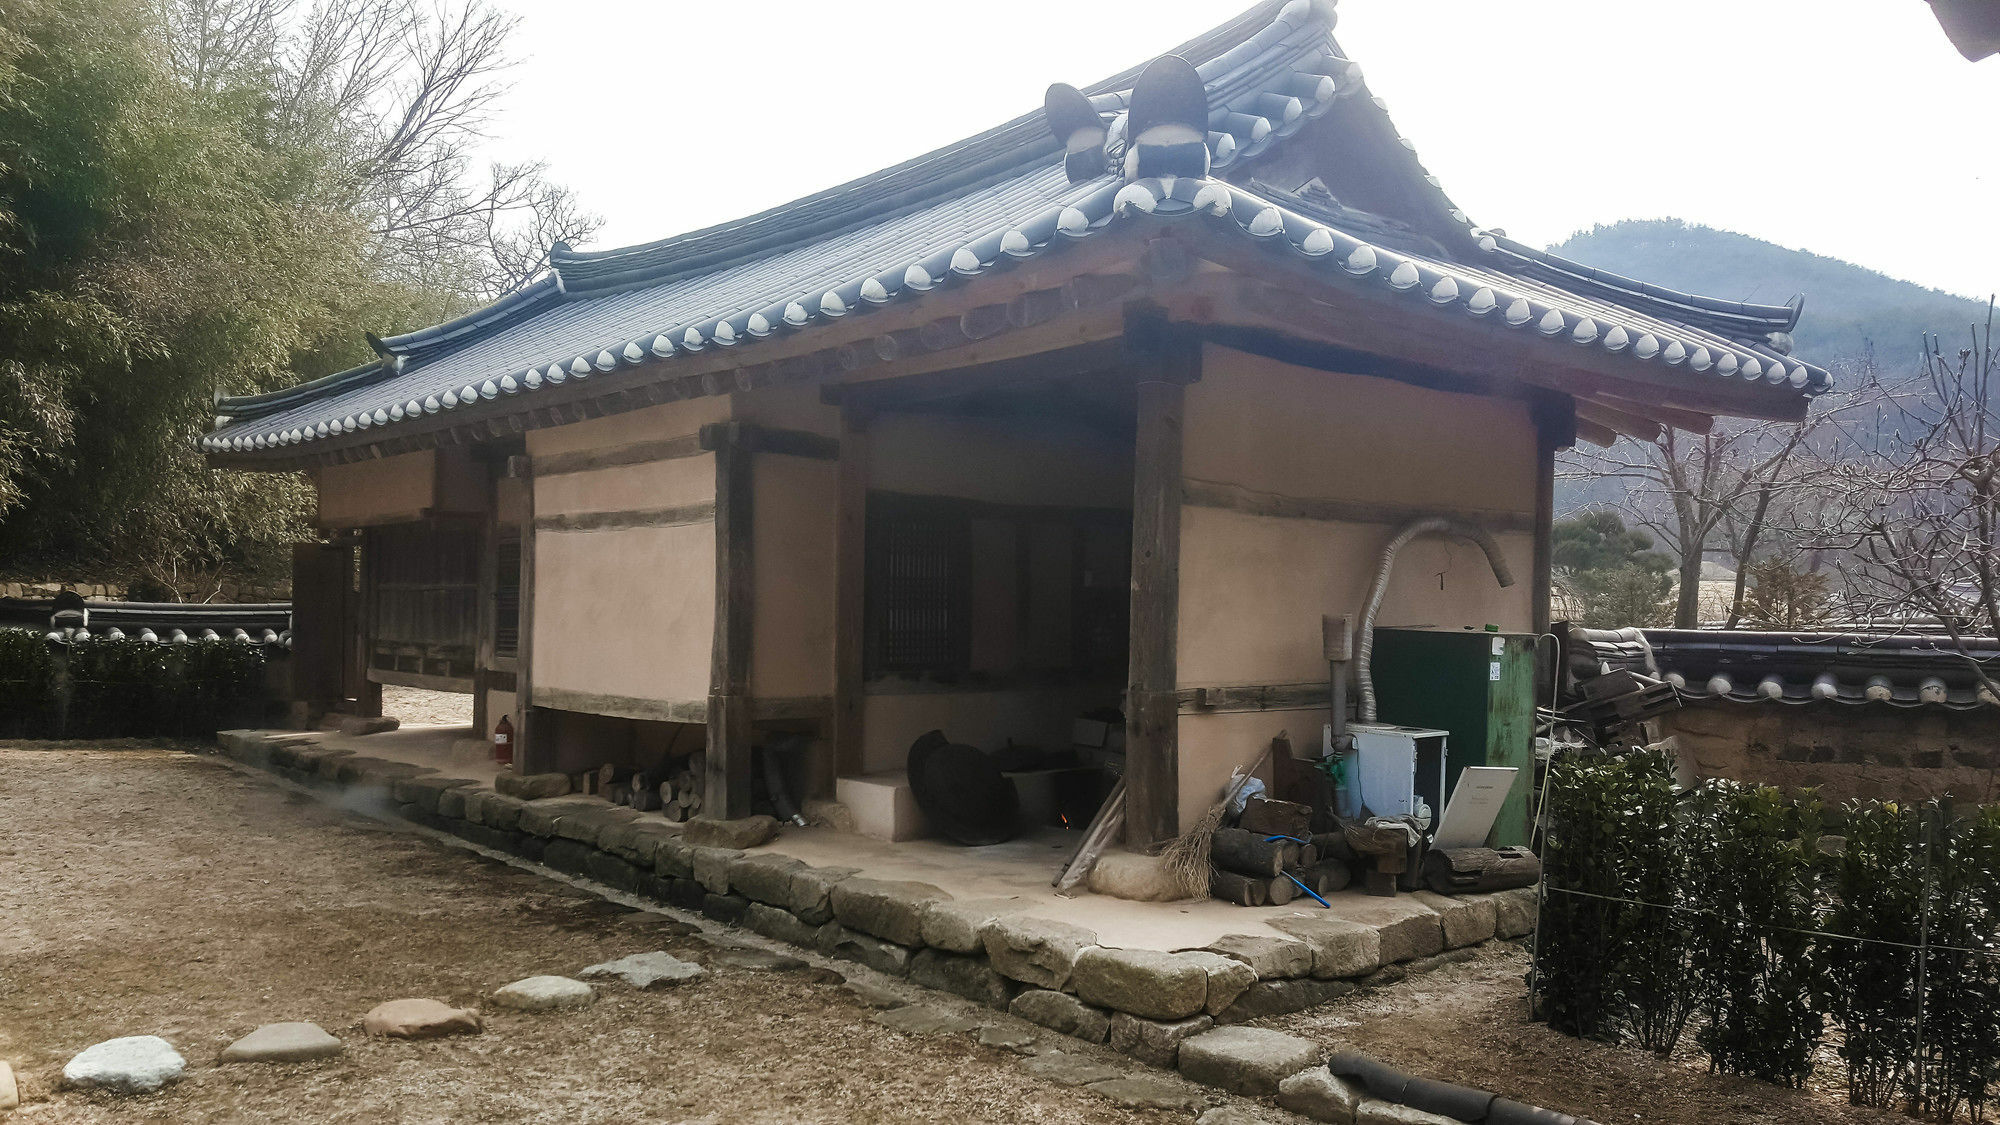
<point x="1336" y="256"/>
<point x="1728" y="318"/>
<point x="239" y="408"/>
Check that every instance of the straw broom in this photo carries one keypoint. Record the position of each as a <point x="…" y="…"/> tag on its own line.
<point x="1187" y="855"/>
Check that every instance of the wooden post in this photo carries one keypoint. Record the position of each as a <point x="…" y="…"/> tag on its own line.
<point x="726" y="786"/>
<point x="850" y="597"/>
<point x="1555" y="428"/>
<point x="533" y="752"/>
<point x="1162" y="363"/>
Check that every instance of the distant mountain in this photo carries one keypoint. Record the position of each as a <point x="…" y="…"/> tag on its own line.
<point x="1847" y="306"/>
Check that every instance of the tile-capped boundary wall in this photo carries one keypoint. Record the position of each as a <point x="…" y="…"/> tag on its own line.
<point x="1047" y="971"/>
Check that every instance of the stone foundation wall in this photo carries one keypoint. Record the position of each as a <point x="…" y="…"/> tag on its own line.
<point x="1847" y="751"/>
<point x="1047" y="971"/>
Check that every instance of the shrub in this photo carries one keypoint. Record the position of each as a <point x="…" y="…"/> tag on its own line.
<point x="102" y="688"/>
<point x="1878" y="893"/>
<point x="27" y="684"/>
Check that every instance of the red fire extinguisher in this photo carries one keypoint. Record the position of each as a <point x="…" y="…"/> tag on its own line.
<point x="503" y="742"/>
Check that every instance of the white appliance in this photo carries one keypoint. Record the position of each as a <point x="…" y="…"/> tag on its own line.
<point x="1401" y="769"/>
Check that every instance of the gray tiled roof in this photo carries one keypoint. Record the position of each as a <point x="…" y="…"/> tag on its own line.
<point x="1748" y="666"/>
<point x="981" y="207"/>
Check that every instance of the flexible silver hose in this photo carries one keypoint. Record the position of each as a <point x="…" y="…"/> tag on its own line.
<point x="1427" y="525"/>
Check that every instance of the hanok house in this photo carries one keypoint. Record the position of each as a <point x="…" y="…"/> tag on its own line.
<point x="1097" y="411"/>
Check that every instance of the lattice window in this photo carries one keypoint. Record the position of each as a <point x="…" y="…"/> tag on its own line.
<point x="918" y="592"/>
<point x="507" y="598"/>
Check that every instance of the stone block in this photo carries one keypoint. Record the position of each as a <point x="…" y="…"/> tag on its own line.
<point x="1405" y="939"/>
<point x="532" y="786"/>
<point x="611" y="870"/>
<point x="568" y="856"/>
<point x="1061" y="1012"/>
<point x="673" y="858"/>
<point x="1317" y="1095"/>
<point x="955" y="925"/>
<point x="529" y="846"/>
<point x="1227" y="978"/>
<point x="961" y="975"/>
<point x="544" y="994"/>
<point x="497" y="810"/>
<point x="451" y="802"/>
<point x="283" y="1043"/>
<point x="687" y="895"/>
<point x="811" y="894"/>
<point x="711" y="867"/>
<point x="882" y="956"/>
<point x="1154" y="1042"/>
<point x="727" y="909"/>
<point x="483" y="836"/>
<point x="1146" y="1091"/>
<point x="1372" y="1111"/>
<point x="1339" y="948"/>
<point x="540" y="817"/>
<point x="1282" y="997"/>
<point x="585" y="826"/>
<point x="133" y="1064"/>
<point x="636" y="839"/>
<point x="1514" y="912"/>
<point x="1035" y="951"/>
<point x="327" y="768"/>
<point x="420" y="1019"/>
<point x="1467" y="919"/>
<point x="1273" y="958"/>
<point x="746" y="832"/>
<point x="1142" y="982"/>
<point x="782" y="925"/>
<point x="764" y="878"/>
<point x="1247" y="1060"/>
<point x="890" y="910"/>
<point x="1066" y="1069"/>
<point x="423" y="791"/>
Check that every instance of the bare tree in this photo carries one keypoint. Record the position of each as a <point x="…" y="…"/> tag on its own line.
<point x="1915" y="513"/>
<point x="1693" y="491"/>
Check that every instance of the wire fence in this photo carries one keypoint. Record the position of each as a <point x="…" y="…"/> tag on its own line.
<point x="1775" y="932"/>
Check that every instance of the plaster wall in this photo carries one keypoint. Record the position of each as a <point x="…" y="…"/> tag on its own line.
<point x="1846" y="751"/>
<point x="626" y="612"/>
<point x="1253" y="587"/>
<point x="629" y="612"/>
<point x="1036" y="461"/>
<point x="377" y="491"/>
<point x="795" y="508"/>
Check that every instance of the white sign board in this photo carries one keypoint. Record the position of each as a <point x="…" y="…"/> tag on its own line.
<point x="1474" y="805"/>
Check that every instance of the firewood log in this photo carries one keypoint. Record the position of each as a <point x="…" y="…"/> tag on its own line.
<point x="1246" y="853"/>
<point x="1239" y="889"/>
<point x="1276" y="818"/>
<point x="1462" y="871"/>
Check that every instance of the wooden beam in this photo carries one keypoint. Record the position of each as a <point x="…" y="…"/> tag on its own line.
<point x="850" y="595"/>
<point x="1555" y="429"/>
<point x="1236" y="498"/>
<point x="534" y="752"/>
<point x="1624" y="421"/>
<point x="727" y="785"/>
<point x="791" y="708"/>
<point x="1232" y="698"/>
<point x="700" y="512"/>
<point x="1152" y="712"/>
<point x="623" y="706"/>
<point x="634" y="453"/>
<point x="1097" y="358"/>
<point x="752" y="438"/>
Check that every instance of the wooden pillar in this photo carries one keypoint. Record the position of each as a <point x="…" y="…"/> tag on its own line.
<point x="533" y="750"/>
<point x="367" y="693"/>
<point x="850" y="596"/>
<point x="1555" y="429"/>
<point x="726" y="787"/>
<point x="1162" y="364"/>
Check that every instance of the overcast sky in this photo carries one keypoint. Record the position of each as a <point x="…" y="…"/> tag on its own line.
<point x="1846" y="127"/>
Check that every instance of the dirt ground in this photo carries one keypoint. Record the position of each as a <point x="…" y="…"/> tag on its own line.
<point x="151" y="891"/>
<point x="155" y="892"/>
<point x="1467" y="1023"/>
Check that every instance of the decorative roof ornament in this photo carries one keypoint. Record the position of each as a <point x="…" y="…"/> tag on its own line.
<point x="1169" y="121"/>
<point x="1075" y="123"/>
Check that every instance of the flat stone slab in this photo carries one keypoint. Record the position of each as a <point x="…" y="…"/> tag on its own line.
<point x="420" y="1019"/>
<point x="1070" y="1070"/>
<point x="1146" y="1092"/>
<point x="747" y="832"/>
<point x="1035" y="951"/>
<point x="646" y="970"/>
<point x="955" y="926"/>
<point x="10" y="1092"/>
<point x="1316" y="1094"/>
<point x="529" y="787"/>
<point x="1377" y="1112"/>
<point x="1273" y="958"/>
<point x="757" y="961"/>
<point x="544" y="994"/>
<point x="1143" y="982"/>
<point x="919" y="1019"/>
<point x="1341" y="948"/>
<point x="134" y="1064"/>
<point x="1247" y="1060"/>
<point x="892" y="910"/>
<point x="283" y="1042"/>
<point x="1008" y="1039"/>
<point x="1061" y="1012"/>
<point x="869" y="996"/>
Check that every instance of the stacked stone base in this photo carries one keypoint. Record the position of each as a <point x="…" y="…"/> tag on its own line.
<point x="1141" y="1002"/>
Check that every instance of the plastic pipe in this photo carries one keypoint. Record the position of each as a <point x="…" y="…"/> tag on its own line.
<point x="1427" y="525"/>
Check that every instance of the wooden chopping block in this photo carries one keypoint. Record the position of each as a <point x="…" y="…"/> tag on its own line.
<point x="1248" y="853"/>
<point x="1276" y="818"/>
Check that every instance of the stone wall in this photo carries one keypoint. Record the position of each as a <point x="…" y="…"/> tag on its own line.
<point x="1048" y="971"/>
<point x="227" y="593"/>
<point x="1847" y="751"/>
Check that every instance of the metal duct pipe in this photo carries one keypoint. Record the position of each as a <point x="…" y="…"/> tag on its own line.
<point x="1427" y="525"/>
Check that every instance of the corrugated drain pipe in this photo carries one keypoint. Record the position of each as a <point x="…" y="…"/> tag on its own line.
<point x="1426" y="525"/>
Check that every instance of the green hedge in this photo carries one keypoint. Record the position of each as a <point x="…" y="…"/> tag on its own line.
<point x="102" y="688"/>
<point x="1729" y="910"/>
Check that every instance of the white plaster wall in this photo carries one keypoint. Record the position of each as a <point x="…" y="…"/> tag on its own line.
<point x="361" y="492"/>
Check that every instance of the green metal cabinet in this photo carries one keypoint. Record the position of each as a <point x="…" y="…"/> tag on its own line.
<point x="1479" y="686"/>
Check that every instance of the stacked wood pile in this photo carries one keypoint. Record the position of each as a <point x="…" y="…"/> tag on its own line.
<point x="1270" y="857"/>
<point x="671" y="788"/>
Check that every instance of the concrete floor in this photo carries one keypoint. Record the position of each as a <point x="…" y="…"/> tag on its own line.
<point x="1022" y="868"/>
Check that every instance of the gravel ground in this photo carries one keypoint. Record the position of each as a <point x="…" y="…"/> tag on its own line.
<point x="418" y="707"/>
<point x="148" y="891"/>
